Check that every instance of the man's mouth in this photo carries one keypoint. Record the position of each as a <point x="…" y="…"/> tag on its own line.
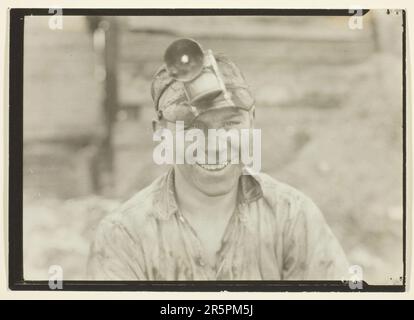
<point x="213" y="167"/>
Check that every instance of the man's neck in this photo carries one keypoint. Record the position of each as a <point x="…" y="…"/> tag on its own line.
<point x="197" y="204"/>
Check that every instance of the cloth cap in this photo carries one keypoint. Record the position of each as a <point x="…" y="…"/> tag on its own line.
<point x="171" y="102"/>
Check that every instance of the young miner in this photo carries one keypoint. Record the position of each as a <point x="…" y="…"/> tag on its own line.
<point x="212" y="221"/>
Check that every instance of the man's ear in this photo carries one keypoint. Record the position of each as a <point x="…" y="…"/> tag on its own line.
<point x="154" y="125"/>
<point x="158" y="124"/>
<point x="252" y="115"/>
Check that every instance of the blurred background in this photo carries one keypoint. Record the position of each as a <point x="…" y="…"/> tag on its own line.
<point x="329" y="103"/>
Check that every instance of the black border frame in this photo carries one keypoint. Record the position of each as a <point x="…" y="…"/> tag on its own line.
<point x="15" y="228"/>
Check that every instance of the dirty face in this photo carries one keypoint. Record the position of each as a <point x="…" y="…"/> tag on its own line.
<point x="221" y="176"/>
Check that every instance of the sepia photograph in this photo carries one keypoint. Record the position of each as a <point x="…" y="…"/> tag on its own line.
<point x="212" y="147"/>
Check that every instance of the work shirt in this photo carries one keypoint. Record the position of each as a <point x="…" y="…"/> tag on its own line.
<point x="275" y="233"/>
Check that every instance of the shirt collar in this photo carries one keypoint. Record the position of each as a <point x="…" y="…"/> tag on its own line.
<point x="166" y="204"/>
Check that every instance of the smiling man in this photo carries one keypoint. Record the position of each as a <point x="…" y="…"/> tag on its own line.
<point x="212" y="219"/>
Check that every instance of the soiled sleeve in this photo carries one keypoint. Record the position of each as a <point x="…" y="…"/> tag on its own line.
<point x="115" y="254"/>
<point x="311" y="250"/>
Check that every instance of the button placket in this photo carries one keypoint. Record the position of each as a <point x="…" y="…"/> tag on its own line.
<point x="196" y="250"/>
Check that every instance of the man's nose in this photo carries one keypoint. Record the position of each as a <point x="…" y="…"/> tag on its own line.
<point x="218" y="147"/>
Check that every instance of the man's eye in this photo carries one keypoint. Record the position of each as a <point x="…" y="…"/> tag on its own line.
<point x="196" y="126"/>
<point x="231" y="123"/>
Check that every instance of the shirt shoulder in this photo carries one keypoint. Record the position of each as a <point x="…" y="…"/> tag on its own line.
<point x="137" y="213"/>
<point x="276" y="192"/>
<point x="311" y="251"/>
<point x="287" y="203"/>
<point x="117" y="250"/>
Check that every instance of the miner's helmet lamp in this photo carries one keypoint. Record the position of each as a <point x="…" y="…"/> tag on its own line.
<point x="186" y="62"/>
<point x="192" y="81"/>
<point x="184" y="59"/>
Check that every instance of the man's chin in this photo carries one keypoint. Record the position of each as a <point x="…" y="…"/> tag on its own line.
<point x="216" y="183"/>
<point x="215" y="192"/>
